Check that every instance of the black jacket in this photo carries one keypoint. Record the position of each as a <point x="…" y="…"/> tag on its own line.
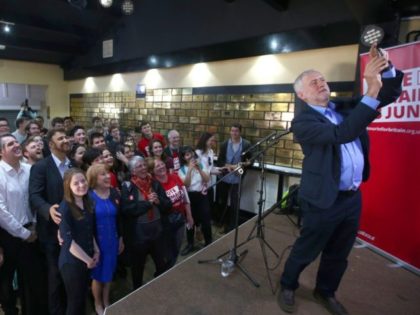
<point x="320" y="141"/>
<point x="132" y="209"/>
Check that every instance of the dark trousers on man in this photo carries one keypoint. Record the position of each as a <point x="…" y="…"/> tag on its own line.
<point x="26" y="260"/>
<point x="56" y="290"/>
<point x="331" y="232"/>
<point x="225" y="192"/>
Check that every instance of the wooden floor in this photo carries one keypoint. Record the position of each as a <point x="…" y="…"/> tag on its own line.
<point x="369" y="287"/>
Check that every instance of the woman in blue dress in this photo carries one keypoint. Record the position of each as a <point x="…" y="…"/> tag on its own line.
<point x="106" y="200"/>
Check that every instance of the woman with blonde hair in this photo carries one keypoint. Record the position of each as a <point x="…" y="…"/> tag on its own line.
<point x="106" y="200"/>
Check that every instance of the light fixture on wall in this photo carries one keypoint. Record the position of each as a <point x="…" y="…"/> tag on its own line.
<point x="140" y="90"/>
<point x="6" y="26"/>
<point x="2" y="47"/>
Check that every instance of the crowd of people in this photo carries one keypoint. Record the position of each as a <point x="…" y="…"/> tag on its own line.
<point x="73" y="200"/>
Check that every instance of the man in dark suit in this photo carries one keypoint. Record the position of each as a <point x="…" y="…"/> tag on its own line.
<point x="334" y="140"/>
<point x="45" y="194"/>
<point x="230" y="156"/>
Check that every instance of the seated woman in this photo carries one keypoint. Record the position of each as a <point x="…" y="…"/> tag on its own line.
<point x="143" y="203"/>
<point x="195" y="177"/>
<point x="106" y="200"/>
<point x="174" y="222"/>
<point x="156" y="152"/>
<point x="79" y="251"/>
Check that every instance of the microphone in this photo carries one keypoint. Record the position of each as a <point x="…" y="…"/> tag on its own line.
<point x="266" y="138"/>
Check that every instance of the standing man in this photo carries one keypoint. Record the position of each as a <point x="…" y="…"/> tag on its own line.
<point x="229" y="157"/>
<point x="17" y="232"/>
<point x="334" y="140"/>
<point x="32" y="151"/>
<point x="46" y="193"/>
<point x="172" y="150"/>
<point x="20" y="132"/>
<point x="146" y="135"/>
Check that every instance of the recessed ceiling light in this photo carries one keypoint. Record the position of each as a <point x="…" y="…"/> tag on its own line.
<point x="106" y="3"/>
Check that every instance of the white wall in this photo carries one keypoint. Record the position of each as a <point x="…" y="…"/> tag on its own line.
<point x="39" y="74"/>
<point x="337" y="64"/>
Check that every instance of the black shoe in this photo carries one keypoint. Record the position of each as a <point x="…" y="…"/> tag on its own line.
<point x="286" y="300"/>
<point x="330" y="303"/>
<point x="188" y="249"/>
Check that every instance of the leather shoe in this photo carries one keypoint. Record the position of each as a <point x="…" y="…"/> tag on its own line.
<point x="286" y="300"/>
<point x="330" y="303"/>
<point x="187" y="249"/>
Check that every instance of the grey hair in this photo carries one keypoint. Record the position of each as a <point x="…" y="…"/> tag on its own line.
<point x="170" y="133"/>
<point x="297" y="86"/>
<point x="133" y="162"/>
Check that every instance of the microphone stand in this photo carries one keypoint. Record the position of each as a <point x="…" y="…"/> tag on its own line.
<point x="233" y="255"/>
<point x="270" y="140"/>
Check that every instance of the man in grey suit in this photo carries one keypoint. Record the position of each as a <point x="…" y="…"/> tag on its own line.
<point x="335" y="143"/>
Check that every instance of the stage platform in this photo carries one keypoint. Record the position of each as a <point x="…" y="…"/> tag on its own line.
<point x="370" y="286"/>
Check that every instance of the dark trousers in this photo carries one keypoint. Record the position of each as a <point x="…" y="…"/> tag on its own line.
<point x="138" y="254"/>
<point x="56" y="290"/>
<point x="173" y="240"/>
<point x="76" y="280"/>
<point x="25" y="259"/>
<point x="331" y="232"/>
<point x="224" y="191"/>
<point x="200" y="209"/>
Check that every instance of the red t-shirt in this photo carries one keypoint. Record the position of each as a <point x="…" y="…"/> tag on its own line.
<point x="174" y="191"/>
<point x="143" y="144"/>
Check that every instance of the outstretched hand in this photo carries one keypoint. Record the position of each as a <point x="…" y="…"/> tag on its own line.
<point x="372" y="73"/>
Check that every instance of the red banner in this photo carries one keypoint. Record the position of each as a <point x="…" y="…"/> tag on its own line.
<point x="391" y="198"/>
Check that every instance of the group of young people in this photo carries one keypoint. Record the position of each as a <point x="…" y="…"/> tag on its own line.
<point x="73" y="200"/>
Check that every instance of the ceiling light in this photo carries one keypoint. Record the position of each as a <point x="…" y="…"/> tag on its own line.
<point x="7" y="26"/>
<point x="2" y="47"/>
<point x="105" y="3"/>
<point x="127" y="7"/>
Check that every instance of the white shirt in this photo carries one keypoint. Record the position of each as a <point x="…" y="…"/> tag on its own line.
<point x="207" y="160"/>
<point x="197" y="183"/>
<point x="14" y="200"/>
<point x="62" y="166"/>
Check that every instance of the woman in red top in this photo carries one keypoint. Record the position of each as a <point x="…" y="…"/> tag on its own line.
<point x="174" y="222"/>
